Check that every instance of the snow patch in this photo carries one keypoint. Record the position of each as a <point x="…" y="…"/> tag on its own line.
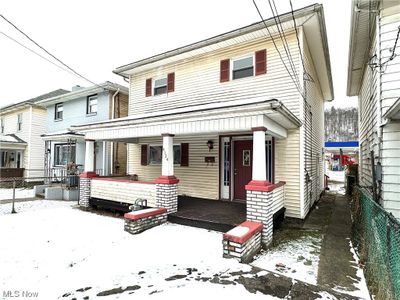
<point x="238" y="231"/>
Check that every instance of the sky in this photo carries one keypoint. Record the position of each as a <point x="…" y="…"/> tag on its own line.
<point x="95" y="37"/>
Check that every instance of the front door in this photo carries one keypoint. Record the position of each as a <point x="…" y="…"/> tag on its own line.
<point x="243" y="156"/>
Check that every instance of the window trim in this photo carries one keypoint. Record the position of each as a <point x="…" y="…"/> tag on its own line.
<point x="88" y="98"/>
<point x="55" y="152"/>
<point x="232" y="60"/>
<point x="55" y="111"/>
<point x="149" y="163"/>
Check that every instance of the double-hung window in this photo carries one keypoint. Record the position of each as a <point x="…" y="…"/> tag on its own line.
<point x="156" y="153"/>
<point x="243" y="67"/>
<point x="91" y="106"/>
<point x="2" y="125"/>
<point x="160" y="86"/>
<point x="19" y="122"/>
<point x="58" y="111"/>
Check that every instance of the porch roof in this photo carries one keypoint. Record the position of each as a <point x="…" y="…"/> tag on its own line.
<point x="11" y="141"/>
<point x="62" y="136"/>
<point x="232" y="116"/>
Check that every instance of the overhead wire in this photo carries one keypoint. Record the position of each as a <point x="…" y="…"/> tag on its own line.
<point x="282" y="36"/>
<point x="48" y="52"/>
<point x="34" y="52"/>
<point x="299" y="46"/>
<point x="277" y="49"/>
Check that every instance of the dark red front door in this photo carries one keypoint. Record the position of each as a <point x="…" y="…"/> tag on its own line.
<point x="243" y="156"/>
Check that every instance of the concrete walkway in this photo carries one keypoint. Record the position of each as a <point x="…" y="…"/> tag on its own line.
<point x="331" y="216"/>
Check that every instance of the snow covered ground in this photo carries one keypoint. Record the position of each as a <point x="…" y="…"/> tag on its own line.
<point x="6" y="194"/>
<point x="297" y="258"/>
<point x="54" y="249"/>
<point x="64" y="251"/>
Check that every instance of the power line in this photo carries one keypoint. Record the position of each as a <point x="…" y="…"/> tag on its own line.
<point x="298" y="43"/>
<point x="282" y="35"/>
<point x="36" y="53"/>
<point x="29" y="38"/>
<point x="276" y="47"/>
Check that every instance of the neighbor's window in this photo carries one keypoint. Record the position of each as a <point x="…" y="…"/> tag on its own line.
<point x="91" y="107"/>
<point x="160" y="86"/>
<point x="2" y="125"/>
<point x="58" y="111"/>
<point x="64" y="154"/>
<point x="243" y="67"/>
<point x="155" y="155"/>
<point x="19" y="122"/>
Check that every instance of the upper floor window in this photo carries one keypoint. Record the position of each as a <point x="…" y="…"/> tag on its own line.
<point x="19" y="122"/>
<point x="91" y="105"/>
<point x="160" y="86"/>
<point x="255" y="64"/>
<point x="58" y="111"/>
<point x="2" y="125"/>
<point x="243" y="67"/>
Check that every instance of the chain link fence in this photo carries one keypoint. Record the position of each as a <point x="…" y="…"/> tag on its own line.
<point x="376" y="235"/>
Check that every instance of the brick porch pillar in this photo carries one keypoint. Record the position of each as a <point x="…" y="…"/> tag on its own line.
<point x="86" y="177"/>
<point x="259" y="190"/>
<point x="167" y="183"/>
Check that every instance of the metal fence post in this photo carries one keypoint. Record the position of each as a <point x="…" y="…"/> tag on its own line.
<point x="13" y="208"/>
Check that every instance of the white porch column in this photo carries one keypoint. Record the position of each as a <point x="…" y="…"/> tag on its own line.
<point x="259" y="162"/>
<point x="105" y="160"/>
<point x="89" y="156"/>
<point x="168" y="155"/>
<point x="167" y="183"/>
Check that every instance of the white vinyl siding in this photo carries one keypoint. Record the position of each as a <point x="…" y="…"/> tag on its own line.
<point x="314" y="135"/>
<point x="197" y="80"/>
<point x="287" y="157"/>
<point x="390" y="92"/>
<point x="199" y="179"/>
<point x="35" y="146"/>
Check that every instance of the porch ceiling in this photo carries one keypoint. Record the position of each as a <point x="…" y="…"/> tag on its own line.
<point x="235" y="116"/>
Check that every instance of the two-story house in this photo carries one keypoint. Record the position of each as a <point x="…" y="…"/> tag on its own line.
<point x="83" y="105"/>
<point x="374" y="76"/>
<point x="222" y="116"/>
<point x="20" y="144"/>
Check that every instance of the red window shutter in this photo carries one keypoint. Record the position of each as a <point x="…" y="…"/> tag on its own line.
<point x="224" y="70"/>
<point x="143" y="156"/>
<point x="184" y="155"/>
<point x="261" y="62"/>
<point x="171" y="82"/>
<point x="148" y="87"/>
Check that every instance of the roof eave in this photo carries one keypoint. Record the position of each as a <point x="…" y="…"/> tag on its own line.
<point x="216" y="39"/>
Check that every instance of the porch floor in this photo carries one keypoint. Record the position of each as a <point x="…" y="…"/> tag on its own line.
<point x="210" y="214"/>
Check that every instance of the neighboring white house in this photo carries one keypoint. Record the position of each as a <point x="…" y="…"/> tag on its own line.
<point x="20" y="143"/>
<point x="230" y="113"/>
<point x="374" y="76"/>
<point x="83" y="105"/>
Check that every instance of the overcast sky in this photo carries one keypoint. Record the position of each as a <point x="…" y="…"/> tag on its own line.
<point x="95" y="37"/>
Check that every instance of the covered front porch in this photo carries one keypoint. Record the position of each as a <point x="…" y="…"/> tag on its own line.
<point x="219" y="153"/>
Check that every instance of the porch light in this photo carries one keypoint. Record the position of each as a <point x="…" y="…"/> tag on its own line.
<point x="210" y="145"/>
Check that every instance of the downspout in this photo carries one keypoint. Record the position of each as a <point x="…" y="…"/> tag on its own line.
<point x="112" y="143"/>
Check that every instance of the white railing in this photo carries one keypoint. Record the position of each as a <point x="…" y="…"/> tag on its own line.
<point x="123" y="190"/>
